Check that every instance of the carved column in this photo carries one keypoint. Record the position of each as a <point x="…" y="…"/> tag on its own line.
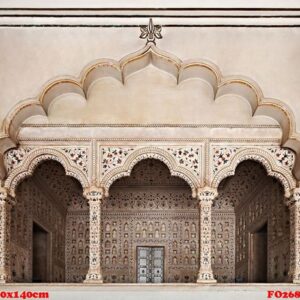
<point x="294" y="205"/>
<point x="205" y="197"/>
<point x="6" y="203"/>
<point x="94" y="196"/>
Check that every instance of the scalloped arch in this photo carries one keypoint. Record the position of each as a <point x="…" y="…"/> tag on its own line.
<point x="264" y="158"/>
<point x="181" y="70"/>
<point x="145" y="153"/>
<point x="36" y="157"/>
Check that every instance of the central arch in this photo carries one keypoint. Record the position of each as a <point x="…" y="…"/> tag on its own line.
<point x="149" y="211"/>
<point x="150" y="153"/>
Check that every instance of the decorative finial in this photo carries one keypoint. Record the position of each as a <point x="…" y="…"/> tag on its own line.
<point x="151" y="32"/>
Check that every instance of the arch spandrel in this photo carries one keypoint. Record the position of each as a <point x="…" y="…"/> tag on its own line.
<point x="167" y="155"/>
<point x="278" y="163"/>
<point x="21" y="163"/>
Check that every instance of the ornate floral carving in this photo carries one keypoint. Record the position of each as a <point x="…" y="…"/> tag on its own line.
<point x="14" y="157"/>
<point x="222" y="157"/>
<point x="150" y="32"/>
<point x="79" y="156"/>
<point x="187" y="157"/>
<point x="284" y="157"/>
<point x="113" y="157"/>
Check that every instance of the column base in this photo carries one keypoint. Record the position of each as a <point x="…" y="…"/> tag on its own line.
<point x="208" y="281"/>
<point x="206" y="277"/>
<point x="5" y="276"/>
<point x="93" y="281"/>
<point x="5" y="280"/>
<point x="94" y="278"/>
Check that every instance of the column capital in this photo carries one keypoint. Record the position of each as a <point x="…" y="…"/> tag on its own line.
<point x="5" y="197"/>
<point x="295" y="198"/>
<point x="93" y="193"/>
<point x="207" y="194"/>
<point x="3" y="194"/>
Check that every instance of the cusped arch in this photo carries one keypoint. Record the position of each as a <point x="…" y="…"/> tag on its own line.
<point x="245" y="88"/>
<point x="154" y="153"/>
<point x="36" y="157"/>
<point x="263" y="157"/>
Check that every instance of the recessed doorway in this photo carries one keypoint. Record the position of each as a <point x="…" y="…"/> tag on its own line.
<point x="39" y="254"/>
<point x="259" y="254"/>
<point x="150" y="264"/>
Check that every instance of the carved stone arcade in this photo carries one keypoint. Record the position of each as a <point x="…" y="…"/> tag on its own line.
<point x="148" y="208"/>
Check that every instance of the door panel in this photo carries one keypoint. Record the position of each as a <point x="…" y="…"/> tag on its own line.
<point x="150" y="263"/>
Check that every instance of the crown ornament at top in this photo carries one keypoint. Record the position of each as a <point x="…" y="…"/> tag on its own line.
<point x="151" y="32"/>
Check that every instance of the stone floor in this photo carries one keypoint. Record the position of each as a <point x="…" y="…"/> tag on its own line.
<point x="149" y="291"/>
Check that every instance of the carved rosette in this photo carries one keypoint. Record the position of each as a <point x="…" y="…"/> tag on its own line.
<point x="6" y="203"/>
<point x="94" y="196"/>
<point x="206" y="196"/>
<point x="294" y="205"/>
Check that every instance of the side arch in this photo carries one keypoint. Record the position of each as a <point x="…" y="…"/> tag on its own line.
<point x="284" y="175"/>
<point x="34" y="159"/>
<point x="145" y="153"/>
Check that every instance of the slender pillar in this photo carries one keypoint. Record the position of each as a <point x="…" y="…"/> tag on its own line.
<point x="6" y="203"/>
<point x="294" y="206"/>
<point x="94" y="196"/>
<point x="205" y="197"/>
